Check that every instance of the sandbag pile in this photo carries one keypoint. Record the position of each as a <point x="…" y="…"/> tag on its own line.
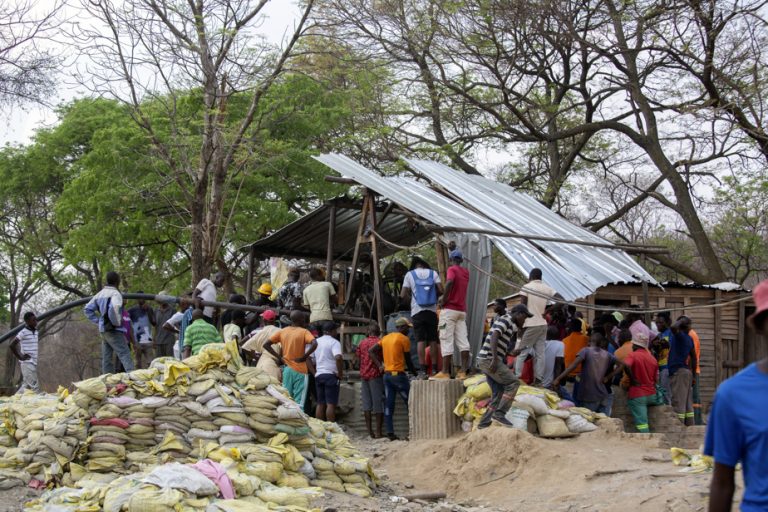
<point x="537" y="410"/>
<point x="142" y="440"/>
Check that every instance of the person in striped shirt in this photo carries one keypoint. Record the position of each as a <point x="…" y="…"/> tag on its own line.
<point x="491" y="360"/>
<point x="27" y="356"/>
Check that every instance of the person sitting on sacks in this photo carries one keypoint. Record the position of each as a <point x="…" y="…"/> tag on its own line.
<point x="293" y="341"/>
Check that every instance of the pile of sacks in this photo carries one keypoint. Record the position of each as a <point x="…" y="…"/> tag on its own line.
<point x="205" y="434"/>
<point x="537" y="410"/>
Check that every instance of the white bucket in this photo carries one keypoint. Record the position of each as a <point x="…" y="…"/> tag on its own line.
<point x="518" y="418"/>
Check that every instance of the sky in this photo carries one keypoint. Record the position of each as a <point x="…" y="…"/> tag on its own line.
<point x="18" y="124"/>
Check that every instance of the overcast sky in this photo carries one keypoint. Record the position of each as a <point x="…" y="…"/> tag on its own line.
<point x="18" y="124"/>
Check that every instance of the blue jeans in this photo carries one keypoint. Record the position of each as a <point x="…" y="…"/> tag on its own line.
<point x="664" y="383"/>
<point x="394" y="385"/>
<point x="115" y="342"/>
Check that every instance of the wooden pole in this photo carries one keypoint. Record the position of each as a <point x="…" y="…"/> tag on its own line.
<point x="442" y="261"/>
<point x="331" y="237"/>
<point x="377" y="287"/>
<point x="646" y="304"/>
<point x="356" y="255"/>
<point x="249" y="278"/>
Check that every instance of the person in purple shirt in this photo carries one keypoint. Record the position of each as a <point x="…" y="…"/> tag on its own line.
<point x="738" y="427"/>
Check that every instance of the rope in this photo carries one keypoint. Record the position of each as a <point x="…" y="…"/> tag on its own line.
<point x="518" y="287"/>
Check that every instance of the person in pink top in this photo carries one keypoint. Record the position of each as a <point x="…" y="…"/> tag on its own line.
<point x="452" y="325"/>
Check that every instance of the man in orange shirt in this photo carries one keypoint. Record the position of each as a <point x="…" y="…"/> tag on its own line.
<point x="294" y="340"/>
<point x="697" y="419"/>
<point x="574" y="342"/>
<point x="392" y="354"/>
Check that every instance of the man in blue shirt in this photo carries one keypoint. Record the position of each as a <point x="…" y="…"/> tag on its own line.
<point x="682" y="369"/>
<point x="737" y="427"/>
<point x="105" y="309"/>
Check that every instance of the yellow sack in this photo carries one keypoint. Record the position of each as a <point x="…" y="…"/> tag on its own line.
<point x="151" y="499"/>
<point x="169" y="443"/>
<point x="358" y="490"/>
<point x="93" y="388"/>
<point x="480" y="391"/>
<point x="292" y="479"/>
<point x="268" y="471"/>
<point x="550" y="396"/>
<point x="173" y="371"/>
<point x="474" y="380"/>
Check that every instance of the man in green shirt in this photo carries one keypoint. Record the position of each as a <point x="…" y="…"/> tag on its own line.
<point x="198" y="334"/>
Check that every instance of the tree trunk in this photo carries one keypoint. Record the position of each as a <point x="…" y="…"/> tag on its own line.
<point x="651" y="144"/>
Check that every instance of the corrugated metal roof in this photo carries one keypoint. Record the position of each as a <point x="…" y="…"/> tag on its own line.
<point x="307" y="237"/>
<point x="410" y="194"/>
<point x="561" y="263"/>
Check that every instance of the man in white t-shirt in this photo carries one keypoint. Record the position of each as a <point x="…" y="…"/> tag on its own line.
<point x="535" y="295"/>
<point x="423" y="310"/>
<point x="27" y="356"/>
<point x="554" y="356"/>
<point x="329" y="369"/>
<point x="206" y="290"/>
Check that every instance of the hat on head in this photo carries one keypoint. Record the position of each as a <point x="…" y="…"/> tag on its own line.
<point x="640" y="339"/>
<point x="269" y="315"/>
<point x="618" y="316"/>
<point x="403" y="321"/>
<point x="265" y="289"/>
<point x="760" y="296"/>
<point x="520" y="308"/>
<point x="455" y="255"/>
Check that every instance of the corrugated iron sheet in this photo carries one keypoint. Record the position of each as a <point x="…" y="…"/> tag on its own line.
<point x="574" y="270"/>
<point x="430" y="408"/>
<point x="307" y="237"/>
<point x="410" y="194"/>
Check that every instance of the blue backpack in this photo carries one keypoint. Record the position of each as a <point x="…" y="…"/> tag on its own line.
<point x="424" y="290"/>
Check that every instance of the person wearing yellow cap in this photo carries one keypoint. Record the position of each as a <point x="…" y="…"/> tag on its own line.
<point x="263" y="296"/>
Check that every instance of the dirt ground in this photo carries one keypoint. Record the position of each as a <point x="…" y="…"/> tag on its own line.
<point x="500" y="469"/>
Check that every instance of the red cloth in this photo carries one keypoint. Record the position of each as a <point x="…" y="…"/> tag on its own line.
<point x="111" y="422"/>
<point x="527" y="375"/>
<point x="368" y="369"/>
<point x="428" y="360"/>
<point x="645" y="370"/>
<point x="457" y="298"/>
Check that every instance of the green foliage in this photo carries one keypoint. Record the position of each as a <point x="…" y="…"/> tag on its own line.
<point x="106" y="200"/>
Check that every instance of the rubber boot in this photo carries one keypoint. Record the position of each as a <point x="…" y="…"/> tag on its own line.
<point x="485" y="420"/>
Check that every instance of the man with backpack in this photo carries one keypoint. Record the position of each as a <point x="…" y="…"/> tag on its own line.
<point x="422" y="287"/>
<point x="105" y="309"/>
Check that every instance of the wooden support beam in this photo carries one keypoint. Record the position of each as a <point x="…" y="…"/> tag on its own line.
<point x="249" y="277"/>
<point x="356" y="256"/>
<point x="718" y="340"/>
<point x="331" y="237"/>
<point x="377" y="284"/>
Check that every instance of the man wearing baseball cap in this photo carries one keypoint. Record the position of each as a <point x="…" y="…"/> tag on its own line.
<point x="452" y="326"/>
<point x="643" y="371"/>
<point x="254" y="345"/>
<point x="491" y="360"/>
<point x="392" y="355"/>
<point x="736" y="431"/>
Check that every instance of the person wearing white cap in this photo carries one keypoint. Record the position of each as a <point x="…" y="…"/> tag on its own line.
<point x="643" y="371"/>
<point x="736" y="430"/>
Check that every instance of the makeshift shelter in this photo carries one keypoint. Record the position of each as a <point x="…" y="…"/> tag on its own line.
<point x="472" y="211"/>
<point x="727" y="344"/>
